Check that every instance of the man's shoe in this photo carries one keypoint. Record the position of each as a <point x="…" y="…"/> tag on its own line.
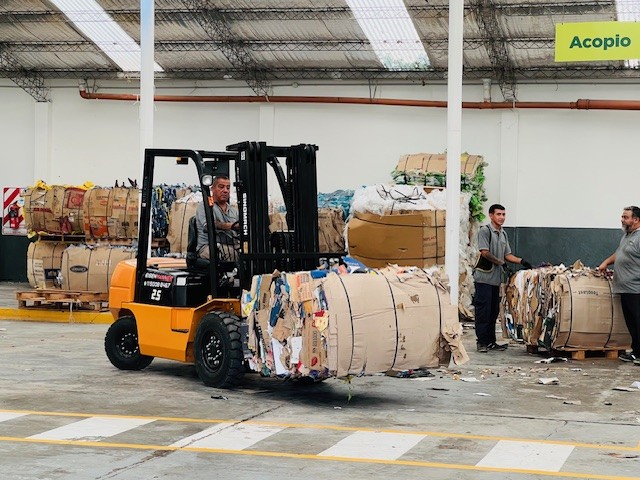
<point x="497" y="346"/>
<point x="637" y="362"/>
<point x="482" y="348"/>
<point x="628" y="357"/>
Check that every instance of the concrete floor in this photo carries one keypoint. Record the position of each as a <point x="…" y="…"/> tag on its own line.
<point x="57" y="387"/>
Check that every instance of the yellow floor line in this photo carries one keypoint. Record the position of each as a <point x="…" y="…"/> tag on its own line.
<point x="55" y="316"/>
<point x="466" y="436"/>
<point x="258" y="453"/>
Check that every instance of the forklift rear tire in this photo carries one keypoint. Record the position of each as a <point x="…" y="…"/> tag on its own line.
<point x="219" y="358"/>
<point x="121" y="345"/>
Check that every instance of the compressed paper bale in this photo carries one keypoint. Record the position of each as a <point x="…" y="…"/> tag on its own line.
<point x="44" y="260"/>
<point x="89" y="268"/>
<point x="55" y="209"/>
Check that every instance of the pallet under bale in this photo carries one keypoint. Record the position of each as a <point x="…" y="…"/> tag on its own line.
<point x="55" y="299"/>
<point x="350" y="324"/>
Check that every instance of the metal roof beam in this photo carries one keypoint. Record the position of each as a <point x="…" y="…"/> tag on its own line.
<point x="236" y="51"/>
<point x="570" y="7"/>
<point x="485" y="15"/>
<point x="30" y="82"/>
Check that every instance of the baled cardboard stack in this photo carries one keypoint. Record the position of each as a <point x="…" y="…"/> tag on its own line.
<point x="111" y="213"/>
<point x="54" y="209"/>
<point x="44" y="260"/>
<point x="89" y="268"/>
<point x="350" y="324"/>
<point x="565" y="308"/>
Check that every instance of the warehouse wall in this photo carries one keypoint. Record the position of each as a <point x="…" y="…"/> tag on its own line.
<point x="568" y="170"/>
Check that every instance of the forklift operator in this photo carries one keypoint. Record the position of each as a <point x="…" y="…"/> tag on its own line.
<point x="226" y="222"/>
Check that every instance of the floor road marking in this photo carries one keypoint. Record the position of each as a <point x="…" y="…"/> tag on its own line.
<point x="524" y="455"/>
<point x="256" y="453"/>
<point x="4" y="416"/>
<point x="92" y="428"/>
<point x="373" y="445"/>
<point x="228" y="436"/>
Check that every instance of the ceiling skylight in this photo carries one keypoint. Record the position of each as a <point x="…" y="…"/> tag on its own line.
<point x="389" y="28"/>
<point x="629" y="11"/>
<point x="99" y="27"/>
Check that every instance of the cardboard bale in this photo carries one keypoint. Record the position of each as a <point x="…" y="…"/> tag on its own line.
<point x="111" y="213"/>
<point x="437" y="163"/>
<point x="558" y="308"/>
<point x="355" y="324"/>
<point x="589" y="315"/>
<point x="331" y="229"/>
<point x="408" y="239"/>
<point x="89" y="268"/>
<point x="44" y="261"/>
<point x="179" y="216"/>
<point x="55" y="210"/>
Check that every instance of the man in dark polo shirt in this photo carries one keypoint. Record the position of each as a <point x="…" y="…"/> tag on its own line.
<point x="626" y="278"/>
<point x="495" y="249"/>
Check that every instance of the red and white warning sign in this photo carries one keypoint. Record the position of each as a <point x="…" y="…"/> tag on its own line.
<point x="12" y="211"/>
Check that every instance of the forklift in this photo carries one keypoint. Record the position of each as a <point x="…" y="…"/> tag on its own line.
<point x="189" y="310"/>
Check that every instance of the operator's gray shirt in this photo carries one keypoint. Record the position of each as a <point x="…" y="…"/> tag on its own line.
<point x="626" y="269"/>
<point x="497" y="243"/>
<point x="226" y="237"/>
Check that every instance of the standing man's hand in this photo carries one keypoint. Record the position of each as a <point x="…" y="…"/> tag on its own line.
<point x="602" y="267"/>
<point x="526" y="264"/>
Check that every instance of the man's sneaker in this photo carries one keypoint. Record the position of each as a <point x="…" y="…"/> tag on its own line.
<point x="482" y="348"/>
<point x="497" y="346"/>
<point x="628" y="357"/>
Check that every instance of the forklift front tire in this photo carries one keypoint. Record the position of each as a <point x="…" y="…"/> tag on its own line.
<point x="121" y="345"/>
<point x="219" y="358"/>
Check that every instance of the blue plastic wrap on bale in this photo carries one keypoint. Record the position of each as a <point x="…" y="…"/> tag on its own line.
<point x="339" y="199"/>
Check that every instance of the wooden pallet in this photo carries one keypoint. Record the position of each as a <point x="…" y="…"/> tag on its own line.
<point x="62" y="300"/>
<point x="578" y="353"/>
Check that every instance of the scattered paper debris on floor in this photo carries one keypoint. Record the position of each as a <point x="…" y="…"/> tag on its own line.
<point x="555" y="397"/>
<point x="481" y="394"/>
<point x="576" y="369"/>
<point x="219" y="397"/>
<point x="549" y="380"/>
<point x="469" y="379"/>
<point x="635" y="385"/>
<point x="625" y="389"/>
<point x="551" y="360"/>
<point x="572" y="402"/>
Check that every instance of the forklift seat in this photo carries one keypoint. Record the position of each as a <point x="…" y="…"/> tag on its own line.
<point x="194" y="262"/>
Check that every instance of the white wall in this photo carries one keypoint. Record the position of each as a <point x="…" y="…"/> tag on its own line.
<point x="553" y="168"/>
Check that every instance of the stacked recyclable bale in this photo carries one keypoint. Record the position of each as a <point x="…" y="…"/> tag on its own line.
<point x="75" y="227"/>
<point x="406" y="232"/>
<point x="561" y="308"/>
<point x="346" y="324"/>
<point x="182" y="209"/>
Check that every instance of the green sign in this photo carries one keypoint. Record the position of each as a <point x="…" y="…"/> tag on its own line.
<point x="590" y="41"/>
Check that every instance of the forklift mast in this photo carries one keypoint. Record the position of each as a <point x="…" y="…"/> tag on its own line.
<point x="261" y="251"/>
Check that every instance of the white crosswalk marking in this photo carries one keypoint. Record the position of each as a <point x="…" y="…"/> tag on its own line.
<point x="228" y="436"/>
<point x="93" y="428"/>
<point x="373" y="445"/>
<point x="528" y="456"/>
<point x="4" y="416"/>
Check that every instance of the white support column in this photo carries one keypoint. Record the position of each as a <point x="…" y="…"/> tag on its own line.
<point x="42" y="146"/>
<point x="146" y="77"/>
<point x="267" y="123"/>
<point x="454" y="144"/>
<point x="147" y="47"/>
<point x="509" y="127"/>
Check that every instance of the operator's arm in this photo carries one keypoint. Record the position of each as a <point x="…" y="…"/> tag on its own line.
<point x="484" y="242"/>
<point x="607" y="261"/>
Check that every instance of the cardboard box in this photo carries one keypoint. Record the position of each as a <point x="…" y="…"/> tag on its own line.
<point x="437" y="163"/>
<point x="179" y="216"/>
<point x="410" y="239"/>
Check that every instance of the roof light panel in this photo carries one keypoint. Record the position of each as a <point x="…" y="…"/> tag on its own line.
<point x="390" y="30"/>
<point x="96" y="24"/>
<point x="629" y="11"/>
